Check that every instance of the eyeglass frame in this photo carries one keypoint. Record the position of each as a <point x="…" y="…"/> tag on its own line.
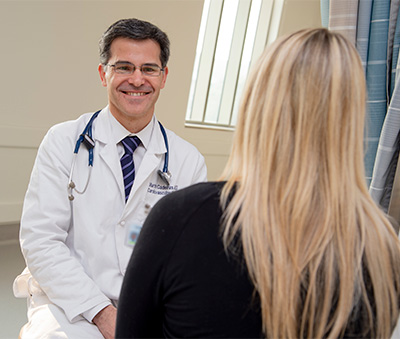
<point x="136" y="67"/>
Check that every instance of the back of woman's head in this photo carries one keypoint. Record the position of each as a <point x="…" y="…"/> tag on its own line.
<point x="303" y="109"/>
<point x="307" y="223"/>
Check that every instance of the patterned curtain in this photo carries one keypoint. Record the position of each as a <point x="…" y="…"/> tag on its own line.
<point x="374" y="27"/>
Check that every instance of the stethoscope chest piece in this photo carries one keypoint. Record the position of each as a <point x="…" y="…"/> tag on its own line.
<point x="165" y="176"/>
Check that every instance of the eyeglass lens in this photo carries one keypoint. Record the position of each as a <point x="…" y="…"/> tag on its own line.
<point x="128" y="68"/>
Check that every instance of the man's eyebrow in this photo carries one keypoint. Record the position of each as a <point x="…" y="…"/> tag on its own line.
<point x="128" y="62"/>
<point x="123" y="62"/>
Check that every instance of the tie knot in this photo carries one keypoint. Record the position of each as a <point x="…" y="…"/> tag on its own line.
<point x="130" y="144"/>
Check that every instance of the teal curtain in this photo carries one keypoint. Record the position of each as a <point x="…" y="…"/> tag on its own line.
<point x="376" y="34"/>
<point x="363" y="26"/>
<point x="376" y="74"/>
<point x="325" y="13"/>
<point x="388" y="144"/>
<point x="394" y="31"/>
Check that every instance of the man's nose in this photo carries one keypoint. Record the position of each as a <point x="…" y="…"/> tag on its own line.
<point x="136" y="78"/>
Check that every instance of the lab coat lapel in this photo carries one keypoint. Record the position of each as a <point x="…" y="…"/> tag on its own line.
<point x="107" y="148"/>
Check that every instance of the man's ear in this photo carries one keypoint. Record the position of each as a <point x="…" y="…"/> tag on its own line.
<point x="102" y="74"/>
<point x="164" y="77"/>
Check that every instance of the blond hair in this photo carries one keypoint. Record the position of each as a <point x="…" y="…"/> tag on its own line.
<point x="309" y="231"/>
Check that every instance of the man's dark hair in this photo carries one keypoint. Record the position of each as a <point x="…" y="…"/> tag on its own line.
<point x="133" y="29"/>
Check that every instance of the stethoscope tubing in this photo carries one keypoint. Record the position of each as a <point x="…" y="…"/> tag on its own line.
<point x="87" y="139"/>
<point x="87" y="132"/>
<point x="165" y="168"/>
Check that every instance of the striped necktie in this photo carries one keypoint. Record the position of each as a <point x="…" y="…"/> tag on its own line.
<point x="127" y="165"/>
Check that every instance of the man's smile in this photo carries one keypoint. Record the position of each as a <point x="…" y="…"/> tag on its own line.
<point x="135" y="94"/>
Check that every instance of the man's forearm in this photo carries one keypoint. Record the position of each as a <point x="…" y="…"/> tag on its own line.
<point x="105" y="321"/>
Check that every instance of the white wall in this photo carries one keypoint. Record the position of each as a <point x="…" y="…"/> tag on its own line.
<point x="49" y="70"/>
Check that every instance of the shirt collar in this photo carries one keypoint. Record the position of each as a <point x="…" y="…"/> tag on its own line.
<point x="119" y="132"/>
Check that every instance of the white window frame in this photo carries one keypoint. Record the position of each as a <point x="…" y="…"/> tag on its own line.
<point x="233" y="34"/>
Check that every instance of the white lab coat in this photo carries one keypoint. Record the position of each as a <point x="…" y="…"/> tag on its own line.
<point x="77" y="251"/>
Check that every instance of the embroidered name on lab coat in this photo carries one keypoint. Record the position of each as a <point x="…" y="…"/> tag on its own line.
<point x="161" y="189"/>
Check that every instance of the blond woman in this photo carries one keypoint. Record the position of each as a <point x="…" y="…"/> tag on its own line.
<point x="290" y="244"/>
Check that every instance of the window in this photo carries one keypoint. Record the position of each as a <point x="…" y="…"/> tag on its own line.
<point x="233" y="33"/>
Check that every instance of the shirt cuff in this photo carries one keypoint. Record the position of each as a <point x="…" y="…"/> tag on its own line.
<point x="91" y="313"/>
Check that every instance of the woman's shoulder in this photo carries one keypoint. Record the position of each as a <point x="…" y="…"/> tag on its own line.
<point x="194" y="195"/>
<point x="203" y="187"/>
<point x="177" y="211"/>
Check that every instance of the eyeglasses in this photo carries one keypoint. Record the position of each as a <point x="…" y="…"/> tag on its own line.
<point x="128" y="68"/>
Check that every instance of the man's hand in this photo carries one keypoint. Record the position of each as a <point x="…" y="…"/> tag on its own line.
<point x="105" y="320"/>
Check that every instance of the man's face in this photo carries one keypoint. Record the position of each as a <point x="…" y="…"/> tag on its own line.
<point x="132" y="97"/>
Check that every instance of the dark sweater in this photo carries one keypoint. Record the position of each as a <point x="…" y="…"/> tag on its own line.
<point x="180" y="282"/>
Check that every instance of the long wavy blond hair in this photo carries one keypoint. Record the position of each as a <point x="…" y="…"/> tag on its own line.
<point x="309" y="231"/>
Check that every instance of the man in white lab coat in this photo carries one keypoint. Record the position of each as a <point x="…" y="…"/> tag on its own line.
<point x="77" y="245"/>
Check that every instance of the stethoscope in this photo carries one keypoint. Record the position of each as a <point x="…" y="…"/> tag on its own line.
<point x="87" y="139"/>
